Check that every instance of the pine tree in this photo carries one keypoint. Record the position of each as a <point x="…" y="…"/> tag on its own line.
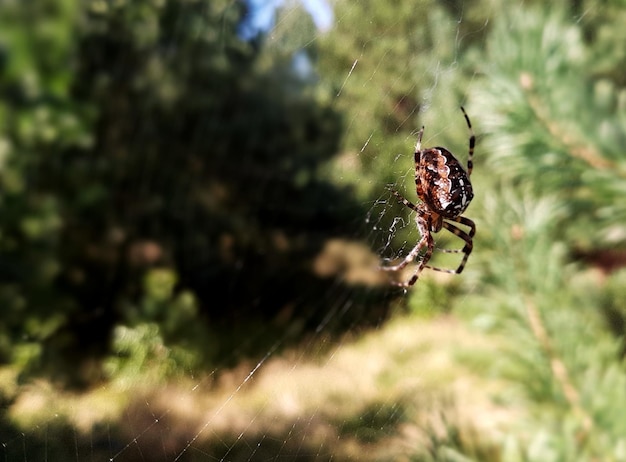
<point x="169" y="142"/>
<point x="554" y="135"/>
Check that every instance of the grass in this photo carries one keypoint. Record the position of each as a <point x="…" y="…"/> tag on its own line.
<point x="407" y="391"/>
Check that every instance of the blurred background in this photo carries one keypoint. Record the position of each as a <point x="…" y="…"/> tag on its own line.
<point x="193" y="207"/>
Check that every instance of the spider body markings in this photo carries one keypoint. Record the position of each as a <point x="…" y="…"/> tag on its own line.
<point x="445" y="192"/>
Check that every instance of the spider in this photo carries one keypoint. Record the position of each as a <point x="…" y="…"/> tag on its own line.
<point x="445" y="191"/>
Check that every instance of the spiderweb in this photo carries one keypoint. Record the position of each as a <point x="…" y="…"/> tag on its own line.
<point x="349" y="398"/>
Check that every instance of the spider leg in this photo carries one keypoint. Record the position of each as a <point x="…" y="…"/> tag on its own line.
<point x="427" y="255"/>
<point x="464" y="221"/>
<point x="418" y="144"/>
<point x="472" y="143"/>
<point x="402" y="200"/>
<point x="467" y="237"/>
<point x="425" y="241"/>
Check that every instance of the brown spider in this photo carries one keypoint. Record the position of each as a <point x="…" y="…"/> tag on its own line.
<point x="445" y="192"/>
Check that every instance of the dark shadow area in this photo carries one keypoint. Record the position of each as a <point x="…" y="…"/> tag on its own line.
<point x="175" y="150"/>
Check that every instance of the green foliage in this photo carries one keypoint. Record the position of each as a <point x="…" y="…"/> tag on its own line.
<point x="150" y="136"/>
<point x="138" y="350"/>
<point x="553" y="139"/>
<point x="162" y="182"/>
<point x="553" y="119"/>
<point x="395" y="49"/>
<point x="375" y="422"/>
<point x="559" y="351"/>
<point x="35" y="111"/>
<point x="434" y="297"/>
<point x="159" y="338"/>
<point x="547" y="102"/>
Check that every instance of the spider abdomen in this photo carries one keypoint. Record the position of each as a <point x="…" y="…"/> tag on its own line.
<point x="442" y="183"/>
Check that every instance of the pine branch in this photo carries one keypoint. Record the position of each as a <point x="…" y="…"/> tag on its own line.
<point x="558" y="368"/>
<point x="575" y="147"/>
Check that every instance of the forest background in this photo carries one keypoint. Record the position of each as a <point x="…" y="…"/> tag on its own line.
<point x="190" y="225"/>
